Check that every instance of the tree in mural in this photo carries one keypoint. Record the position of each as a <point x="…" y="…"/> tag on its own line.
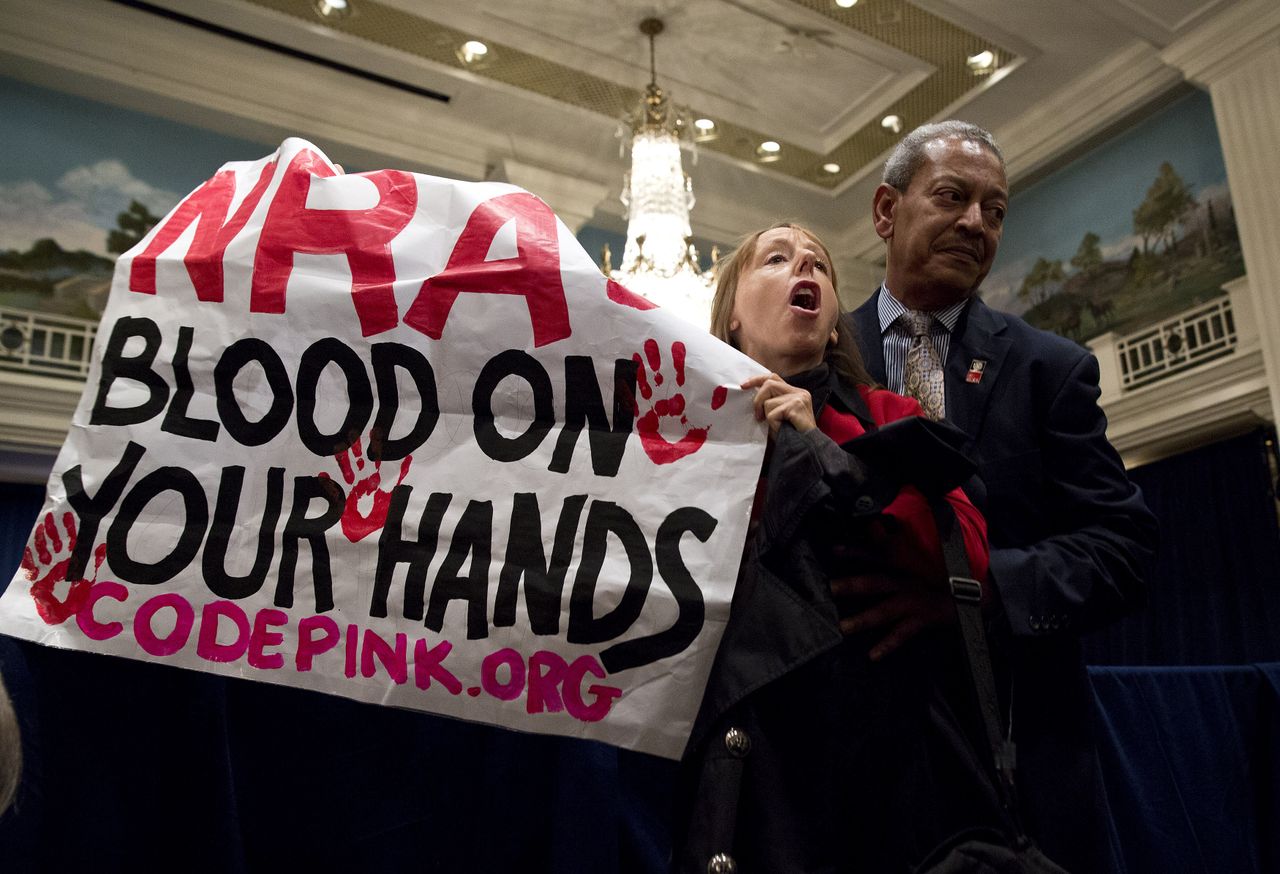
<point x="131" y="226"/>
<point x="1143" y="268"/>
<point x="1089" y="289"/>
<point x="1088" y="257"/>
<point x="1036" y="285"/>
<point x="1167" y="204"/>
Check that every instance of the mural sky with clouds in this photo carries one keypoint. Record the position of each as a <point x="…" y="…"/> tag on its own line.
<point x="71" y="165"/>
<point x="1098" y="193"/>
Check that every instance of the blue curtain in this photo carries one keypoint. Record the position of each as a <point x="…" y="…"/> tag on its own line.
<point x="1215" y="582"/>
<point x="132" y="766"/>
<point x="18" y="509"/>
<point x="1189" y="763"/>
<point x="135" y="766"/>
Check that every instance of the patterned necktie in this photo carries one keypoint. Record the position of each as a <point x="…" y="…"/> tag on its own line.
<point x="924" y="368"/>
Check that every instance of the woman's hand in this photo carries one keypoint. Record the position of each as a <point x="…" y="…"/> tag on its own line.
<point x="777" y="401"/>
<point x="903" y="606"/>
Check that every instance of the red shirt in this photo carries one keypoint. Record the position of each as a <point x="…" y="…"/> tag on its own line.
<point x="912" y="544"/>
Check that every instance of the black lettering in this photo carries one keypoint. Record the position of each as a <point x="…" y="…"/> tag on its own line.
<point x="689" y="601"/>
<point x="605" y="518"/>
<point x="214" y="558"/>
<point x="194" y="524"/>
<point x="512" y="362"/>
<point x="386" y="357"/>
<point x="176" y="420"/>
<point x="233" y="360"/>
<point x="473" y="536"/>
<point x="359" y="394"/>
<point x="526" y="557"/>
<point x="138" y="368"/>
<point x="299" y="527"/>
<point x="393" y="549"/>
<point x="583" y="405"/>
<point x="90" y="510"/>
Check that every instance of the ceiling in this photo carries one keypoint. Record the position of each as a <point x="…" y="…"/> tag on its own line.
<point x="385" y="84"/>
<point x="815" y="77"/>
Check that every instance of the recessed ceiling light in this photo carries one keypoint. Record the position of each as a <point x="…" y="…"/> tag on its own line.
<point x="983" y="62"/>
<point x="704" y="124"/>
<point x="705" y="130"/>
<point x="768" y="151"/>
<point x="892" y="123"/>
<point x="333" y="9"/>
<point x="846" y="4"/>
<point x="473" y="53"/>
<point x="831" y="168"/>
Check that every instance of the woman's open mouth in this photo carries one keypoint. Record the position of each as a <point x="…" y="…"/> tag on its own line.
<point x="805" y="296"/>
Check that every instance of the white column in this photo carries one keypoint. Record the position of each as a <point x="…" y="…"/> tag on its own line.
<point x="573" y="198"/>
<point x="1242" y="312"/>
<point x="1236" y="56"/>
<point x="1103" y="348"/>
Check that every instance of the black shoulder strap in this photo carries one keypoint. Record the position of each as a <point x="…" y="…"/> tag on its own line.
<point x="967" y="593"/>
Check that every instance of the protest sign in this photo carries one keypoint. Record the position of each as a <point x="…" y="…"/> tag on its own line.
<point x="395" y="437"/>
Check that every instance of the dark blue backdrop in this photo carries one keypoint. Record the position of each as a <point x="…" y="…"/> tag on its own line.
<point x="134" y="766"/>
<point x="1215" y="581"/>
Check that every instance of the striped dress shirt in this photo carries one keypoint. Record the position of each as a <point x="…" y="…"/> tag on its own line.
<point x="897" y="336"/>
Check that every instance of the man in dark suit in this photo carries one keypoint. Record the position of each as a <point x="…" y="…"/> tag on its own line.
<point x="1069" y="533"/>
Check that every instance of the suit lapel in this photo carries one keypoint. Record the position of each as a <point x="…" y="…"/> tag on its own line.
<point x="866" y="321"/>
<point x="977" y="337"/>
<point x="976" y="344"/>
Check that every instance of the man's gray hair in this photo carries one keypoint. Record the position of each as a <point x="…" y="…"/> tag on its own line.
<point x="909" y="154"/>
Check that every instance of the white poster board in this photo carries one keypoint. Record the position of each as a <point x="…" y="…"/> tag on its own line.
<point x="394" y="437"/>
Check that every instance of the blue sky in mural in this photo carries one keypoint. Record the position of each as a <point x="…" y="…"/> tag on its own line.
<point x="1099" y="192"/>
<point x="72" y="164"/>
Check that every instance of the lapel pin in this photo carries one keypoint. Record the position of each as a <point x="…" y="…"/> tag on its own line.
<point x="976" y="368"/>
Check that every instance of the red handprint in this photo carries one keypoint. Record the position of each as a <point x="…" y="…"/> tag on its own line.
<point x="357" y="525"/>
<point x="628" y="298"/>
<point x="658" y="448"/>
<point x="47" y="567"/>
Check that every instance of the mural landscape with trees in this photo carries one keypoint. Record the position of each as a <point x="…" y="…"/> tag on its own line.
<point x="83" y="181"/>
<point x="1133" y="231"/>
<point x="1188" y="249"/>
<point x="48" y="278"/>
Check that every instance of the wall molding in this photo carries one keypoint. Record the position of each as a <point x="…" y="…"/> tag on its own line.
<point x="38" y="410"/>
<point x="1210" y="402"/>
<point x="1084" y="107"/>
<point x="132" y="57"/>
<point x="1225" y="41"/>
<point x="1128" y="80"/>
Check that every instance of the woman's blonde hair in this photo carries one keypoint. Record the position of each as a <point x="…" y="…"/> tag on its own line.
<point x="842" y="356"/>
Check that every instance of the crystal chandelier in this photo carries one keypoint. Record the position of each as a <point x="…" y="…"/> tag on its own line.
<point x="659" y="260"/>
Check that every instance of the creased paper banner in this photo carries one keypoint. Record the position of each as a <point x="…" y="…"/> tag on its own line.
<point x="394" y="437"/>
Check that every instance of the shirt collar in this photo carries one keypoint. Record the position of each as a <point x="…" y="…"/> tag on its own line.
<point x="847" y="398"/>
<point x="826" y="387"/>
<point x="889" y="308"/>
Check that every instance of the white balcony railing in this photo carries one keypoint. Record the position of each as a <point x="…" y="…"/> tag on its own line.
<point x="49" y="345"/>
<point x="1191" y="337"/>
<point x="52" y="345"/>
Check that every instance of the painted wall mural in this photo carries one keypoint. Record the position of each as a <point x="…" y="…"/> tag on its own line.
<point x="81" y="182"/>
<point x="1136" y="230"/>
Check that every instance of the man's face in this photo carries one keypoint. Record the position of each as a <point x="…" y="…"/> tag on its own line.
<point x="943" y="231"/>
